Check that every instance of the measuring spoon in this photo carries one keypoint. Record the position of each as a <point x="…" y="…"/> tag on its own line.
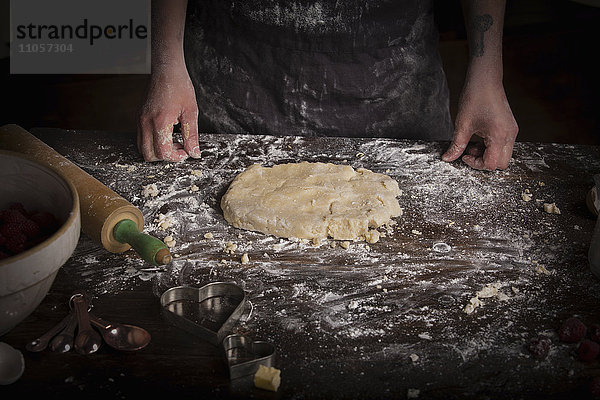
<point x="63" y="342"/>
<point x="88" y="340"/>
<point x="121" y="336"/>
<point x="41" y="343"/>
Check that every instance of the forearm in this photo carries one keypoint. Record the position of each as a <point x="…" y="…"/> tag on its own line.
<point x="168" y="22"/>
<point x="484" y="21"/>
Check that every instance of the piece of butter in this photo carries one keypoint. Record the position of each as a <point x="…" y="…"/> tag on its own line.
<point x="267" y="378"/>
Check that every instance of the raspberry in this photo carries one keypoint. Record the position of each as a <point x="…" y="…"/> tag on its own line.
<point x="11" y="216"/>
<point x="26" y="226"/>
<point x="595" y="387"/>
<point x="11" y="229"/>
<point x="588" y="350"/>
<point x="539" y="347"/>
<point x="16" y="244"/>
<point x="572" y="330"/>
<point x="30" y="228"/>
<point x="594" y="332"/>
<point x="19" y="231"/>
<point x="46" y="221"/>
<point x="18" y="207"/>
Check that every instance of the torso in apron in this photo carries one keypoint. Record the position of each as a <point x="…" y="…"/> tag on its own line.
<point x="366" y="68"/>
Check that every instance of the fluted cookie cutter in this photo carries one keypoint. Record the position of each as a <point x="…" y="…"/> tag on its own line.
<point x="244" y="355"/>
<point x="208" y="312"/>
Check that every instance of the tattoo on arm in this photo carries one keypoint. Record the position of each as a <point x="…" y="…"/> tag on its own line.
<point x="479" y="25"/>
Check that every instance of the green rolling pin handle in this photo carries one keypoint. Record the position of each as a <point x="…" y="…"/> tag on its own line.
<point x="148" y="247"/>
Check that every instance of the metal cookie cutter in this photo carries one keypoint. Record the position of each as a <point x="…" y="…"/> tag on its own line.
<point x="245" y="355"/>
<point x="209" y="312"/>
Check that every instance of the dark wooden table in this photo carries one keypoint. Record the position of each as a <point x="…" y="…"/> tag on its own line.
<point x="384" y="320"/>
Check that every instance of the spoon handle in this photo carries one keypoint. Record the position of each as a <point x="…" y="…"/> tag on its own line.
<point x="98" y="322"/>
<point x="63" y="342"/>
<point x="41" y="343"/>
<point x="87" y="340"/>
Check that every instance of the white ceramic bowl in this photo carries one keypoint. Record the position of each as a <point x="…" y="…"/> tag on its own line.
<point x="25" y="278"/>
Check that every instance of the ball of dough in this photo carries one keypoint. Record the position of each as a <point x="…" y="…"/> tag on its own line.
<point x="311" y="201"/>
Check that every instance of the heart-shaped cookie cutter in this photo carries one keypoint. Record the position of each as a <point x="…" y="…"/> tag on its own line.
<point x="244" y="355"/>
<point x="209" y="312"/>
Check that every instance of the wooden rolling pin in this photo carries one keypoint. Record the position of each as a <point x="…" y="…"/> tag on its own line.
<point x="106" y="217"/>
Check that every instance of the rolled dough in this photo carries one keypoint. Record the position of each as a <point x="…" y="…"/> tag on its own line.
<point x="312" y="201"/>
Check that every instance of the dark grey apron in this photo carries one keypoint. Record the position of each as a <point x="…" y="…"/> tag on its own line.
<point x="367" y="68"/>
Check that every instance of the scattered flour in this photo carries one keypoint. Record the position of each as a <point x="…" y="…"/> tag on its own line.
<point x="408" y="293"/>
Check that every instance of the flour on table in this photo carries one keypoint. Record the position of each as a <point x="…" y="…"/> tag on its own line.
<point x="441" y="247"/>
<point x="312" y="201"/>
<point x="129" y="168"/>
<point x="301" y="294"/>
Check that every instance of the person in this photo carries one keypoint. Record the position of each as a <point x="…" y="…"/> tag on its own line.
<point x="322" y="67"/>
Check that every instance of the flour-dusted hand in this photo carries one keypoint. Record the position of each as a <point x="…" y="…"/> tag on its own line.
<point x="170" y="98"/>
<point x="483" y="108"/>
<point x="484" y="112"/>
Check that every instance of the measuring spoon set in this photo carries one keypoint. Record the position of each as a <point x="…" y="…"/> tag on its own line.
<point x="76" y="331"/>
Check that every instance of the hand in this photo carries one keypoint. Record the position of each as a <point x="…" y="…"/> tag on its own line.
<point x="484" y="112"/>
<point x="170" y="100"/>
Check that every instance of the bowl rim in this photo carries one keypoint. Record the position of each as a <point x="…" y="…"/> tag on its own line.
<point x="73" y="214"/>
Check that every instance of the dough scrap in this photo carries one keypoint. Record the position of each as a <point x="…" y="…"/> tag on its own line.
<point x="311" y="201"/>
<point x="164" y="222"/>
<point x="526" y="195"/>
<point x="245" y="259"/>
<point x="169" y="241"/>
<point x="150" y="190"/>
<point x="268" y="378"/>
<point x="551" y="208"/>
